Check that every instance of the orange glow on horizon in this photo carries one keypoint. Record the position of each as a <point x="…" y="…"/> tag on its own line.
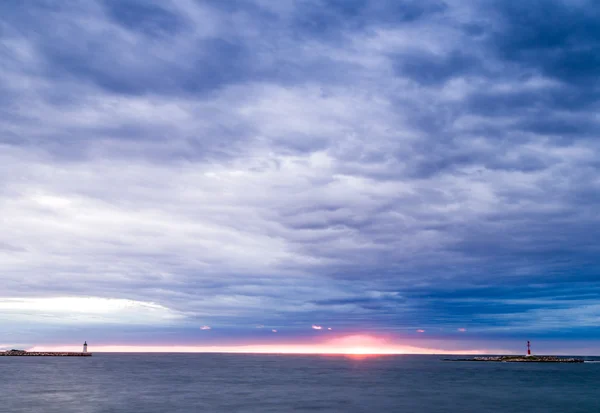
<point x="356" y="345"/>
<point x="260" y="349"/>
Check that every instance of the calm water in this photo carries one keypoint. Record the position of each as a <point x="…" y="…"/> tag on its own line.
<point x="172" y="383"/>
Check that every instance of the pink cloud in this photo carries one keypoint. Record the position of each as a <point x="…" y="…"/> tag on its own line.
<point x="274" y="330"/>
<point x="420" y="331"/>
<point x="205" y="328"/>
<point x="462" y="330"/>
<point x="329" y="328"/>
<point x="317" y="327"/>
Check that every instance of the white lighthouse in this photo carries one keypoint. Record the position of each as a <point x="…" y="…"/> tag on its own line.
<point x="85" y="347"/>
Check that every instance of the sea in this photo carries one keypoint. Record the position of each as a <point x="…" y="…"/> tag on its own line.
<point x="251" y="383"/>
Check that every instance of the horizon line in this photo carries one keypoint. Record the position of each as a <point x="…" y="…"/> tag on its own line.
<point x="269" y="349"/>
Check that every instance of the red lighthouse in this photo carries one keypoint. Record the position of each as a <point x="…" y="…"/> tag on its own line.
<point x="528" y="348"/>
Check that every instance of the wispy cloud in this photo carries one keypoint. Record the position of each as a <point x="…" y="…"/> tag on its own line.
<point x="89" y="310"/>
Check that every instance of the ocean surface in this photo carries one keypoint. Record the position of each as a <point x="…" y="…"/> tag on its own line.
<point x="174" y="383"/>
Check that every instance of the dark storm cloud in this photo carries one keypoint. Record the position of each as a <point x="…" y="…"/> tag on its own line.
<point x="332" y="18"/>
<point x="149" y="18"/>
<point x="366" y="165"/>
<point x="431" y="69"/>
<point x="561" y="39"/>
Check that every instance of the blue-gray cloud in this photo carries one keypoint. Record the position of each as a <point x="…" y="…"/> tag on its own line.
<point x="377" y="165"/>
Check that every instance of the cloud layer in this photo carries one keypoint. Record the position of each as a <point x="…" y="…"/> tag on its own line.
<point x="369" y="165"/>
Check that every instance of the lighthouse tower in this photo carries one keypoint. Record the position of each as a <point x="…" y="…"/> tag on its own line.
<point x="528" y="349"/>
<point x="85" y="347"/>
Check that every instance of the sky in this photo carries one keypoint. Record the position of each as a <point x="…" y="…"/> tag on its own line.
<point x="420" y="176"/>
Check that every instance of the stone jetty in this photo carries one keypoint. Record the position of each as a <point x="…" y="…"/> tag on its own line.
<point x="522" y="359"/>
<point x="23" y="353"/>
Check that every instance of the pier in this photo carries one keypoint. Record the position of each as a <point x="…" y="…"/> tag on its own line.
<point x="529" y="358"/>
<point x="523" y="359"/>
<point x="23" y="353"/>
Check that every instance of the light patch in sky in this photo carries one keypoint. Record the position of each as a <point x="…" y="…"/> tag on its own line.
<point x="340" y="189"/>
<point x="205" y="328"/>
<point x="50" y="201"/>
<point x="86" y="310"/>
<point x="314" y="327"/>
<point x="374" y="347"/>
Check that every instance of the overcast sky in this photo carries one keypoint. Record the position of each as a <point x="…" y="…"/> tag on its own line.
<point x="415" y="169"/>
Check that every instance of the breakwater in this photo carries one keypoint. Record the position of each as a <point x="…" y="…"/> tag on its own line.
<point x="523" y="359"/>
<point x="23" y="353"/>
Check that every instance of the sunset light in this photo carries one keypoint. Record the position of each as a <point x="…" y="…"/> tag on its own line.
<point x="347" y="345"/>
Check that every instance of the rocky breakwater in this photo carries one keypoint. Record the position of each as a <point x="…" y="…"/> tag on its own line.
<point x="23" y="353"/>
<point x="523" y="359"/>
